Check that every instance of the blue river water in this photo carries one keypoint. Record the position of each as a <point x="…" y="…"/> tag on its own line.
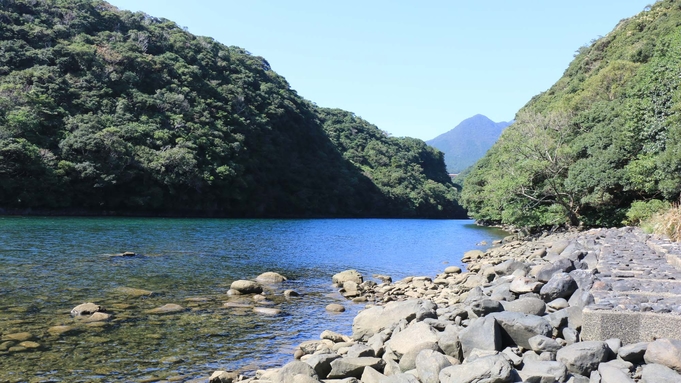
<point x="50" y="265"/>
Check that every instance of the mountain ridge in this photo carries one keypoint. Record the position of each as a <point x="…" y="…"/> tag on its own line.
<point x="467" y="142"/>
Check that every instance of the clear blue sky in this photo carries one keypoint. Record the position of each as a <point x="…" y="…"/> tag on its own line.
<point x="413" y="68"/>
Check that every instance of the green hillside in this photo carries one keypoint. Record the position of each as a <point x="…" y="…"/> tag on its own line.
<point x="103" y="110"/>
<point x="464" y="145"/>
<point x="607" y="134"/>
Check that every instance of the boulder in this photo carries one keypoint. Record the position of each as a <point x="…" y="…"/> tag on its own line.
<point x="287" y="373"/>
<point x="86" y="309"/>
<point x="370" y="321"/>
<point x="359" y="350"/>
<point x="335" y="308"/>
<point x="633" y="352"/>
<point x="543" y="372"/>
<point x="170" y="308"/>
<point x="400" y="378"/>
<point x="547" y="272"/>
<point x="540" y="343"/>
<point x="509" y="266"/>
<point x="530" y="306"/>
<point x="370" y="375"/>
<point x="266" y="311"/>
<point x="223" y="377"/>
<point x="524" y="285"/>
<point x="429" y="363"/>
<point x="489" y="369"/>
<point x="581" y="299"/>
<point x="270" y="277"/>
<point x="321" y="363"/>
<point x="408" y="360"/>
<point x="333" y="336"/>
<point x="453" y="270"/>
<point x="482" y="307"/>
<point x="417" y="333"/>
<point x="561" y="285"/>
<point x="518" y="328"/>
<point x="610" y="374"/>
<point x="666" y="352"/>
<point x="98" y="317"/>
<point x="347" y="275"/>
<point x="657" y="373"/>
<point x="246" y="287"/>
<point x="583" y="357"/>
<point x="353" y="367"/>
<point x="450" y="345"/>
<point x="483" y="333"/>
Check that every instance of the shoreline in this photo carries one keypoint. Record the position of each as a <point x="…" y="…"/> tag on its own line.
<point x="515" y="314"/>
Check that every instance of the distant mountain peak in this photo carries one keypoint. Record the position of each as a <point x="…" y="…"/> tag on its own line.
<point x="468" y="141"/>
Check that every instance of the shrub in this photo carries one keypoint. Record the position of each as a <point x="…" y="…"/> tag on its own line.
<point x="641" y="211"/>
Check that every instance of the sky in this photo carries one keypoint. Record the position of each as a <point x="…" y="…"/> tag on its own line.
<point x="412" y="68"/>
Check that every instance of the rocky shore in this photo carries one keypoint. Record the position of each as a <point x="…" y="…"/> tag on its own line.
<point x="516" y="314"/>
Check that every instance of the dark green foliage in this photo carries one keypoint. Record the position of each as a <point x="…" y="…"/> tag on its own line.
<point x="468" y="142"/>
<point x="108" y="110"/>
<point x="617" y="143"/>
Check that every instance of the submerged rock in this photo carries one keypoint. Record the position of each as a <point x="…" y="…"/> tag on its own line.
<point x="170" y="308"/>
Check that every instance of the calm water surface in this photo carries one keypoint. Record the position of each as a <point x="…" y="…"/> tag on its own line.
<point x="50" y="265"/>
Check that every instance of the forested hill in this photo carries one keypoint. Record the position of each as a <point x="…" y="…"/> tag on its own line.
<point x="103" y="110"/>
<point x="608" y="133"/>
<point x="468" y="141"/>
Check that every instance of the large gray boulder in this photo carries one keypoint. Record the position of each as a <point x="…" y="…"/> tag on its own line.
<point x="524" y="285"/>
<point x="489" y="369"/>
<point x="541" y="343"/>
<point x="373" y="320"/>
<point x="518" y="328"/>
<point x="287" y="373"/>
<point x="321" y="363"/>
<point x="482" y="307"/>
<point x="347" y="275"/>
<point x="370" y="375"/>
<point x="633" y="352"/>
<point x="246" y="287"/>
<point x="429" y="363"/>
<point x="508" y="267"/>
<point x="353" y="367"/>
<point x="537" y="371"/>
<point x="417" y="333"/>
<point x="547" y="272"/>
<point x="270" y="277"/>
<point x="657" y="373"/>
<point x="583" y="357"/>
<point x="450" y="344"/>
<point x="483" y="333"/>
<point x="610" y="374"/>
<point x="529" y="305"/>
<point x="666" y="352"/>
<point x="408" y="360"/>
<point x="561" y="285"/>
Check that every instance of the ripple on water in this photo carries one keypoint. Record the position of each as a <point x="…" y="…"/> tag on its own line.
<point x="50" y="265"/>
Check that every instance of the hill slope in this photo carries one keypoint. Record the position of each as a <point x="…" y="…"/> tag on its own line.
<point x="109" y="110"/>
<point x="468" y="142"/>
<point x="608" y="133"/>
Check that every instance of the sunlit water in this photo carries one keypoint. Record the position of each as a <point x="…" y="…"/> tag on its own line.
<point x="50" y="265"/>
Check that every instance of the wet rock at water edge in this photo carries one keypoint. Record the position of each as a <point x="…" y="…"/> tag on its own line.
<point x="246" y="287"/>
<point x="266" y="311"/>
<point x="170" y="308"/>
<point x="124" y="254"/>
<point x="291" y="293"/>
<point x="270" y="277"/>
<point x="86" y="309"/>
<point x="18" y="337"/>
<point x="347" y="275"/>
<point x="335" y="308"/>
<point x="223" y="377"/>
<point x="133" y="292"/>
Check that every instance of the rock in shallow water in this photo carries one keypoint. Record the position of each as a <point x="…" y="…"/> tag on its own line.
<point x="170" y="308"/>
<point x="246" y="287"/>
<point x="270" y="277"/>
<point x="86" y="309"/>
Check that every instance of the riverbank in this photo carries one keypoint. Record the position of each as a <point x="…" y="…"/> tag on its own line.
<point x="517" y="313"/>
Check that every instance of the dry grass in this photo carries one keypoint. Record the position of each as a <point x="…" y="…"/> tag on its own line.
<point x="667" y="222"/>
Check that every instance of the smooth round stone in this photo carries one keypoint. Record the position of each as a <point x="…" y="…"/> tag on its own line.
<point x="237" y="305"/>
<point x="453" y="270"/>
<point x="86" y="309"/>
<point x="29" y="344"/>
<point x="270" y="277"/>
<point x="19" y="337"/>
<point x="170" y="308"/>
<point x="266" y="311"/>
<point x="246" y="287"/>
<point x="133" y="292"/>
<point x="335" y="308"/>
<point x="291" y="293"/>
<point x="60" y="330"/>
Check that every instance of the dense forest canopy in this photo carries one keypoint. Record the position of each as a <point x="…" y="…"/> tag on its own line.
<point x="606" y="135"/>
<point x="109" y="110"/>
